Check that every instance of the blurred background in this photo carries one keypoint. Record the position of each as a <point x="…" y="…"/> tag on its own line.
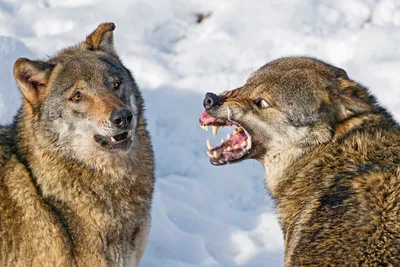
<point x="180" y="49"/>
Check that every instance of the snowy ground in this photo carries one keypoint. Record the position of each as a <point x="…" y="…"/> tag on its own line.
<point x="204" y="215"/>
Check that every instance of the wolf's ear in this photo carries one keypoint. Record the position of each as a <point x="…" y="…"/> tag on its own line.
<point x="32" y="77"/>
<point x="341" y="73"/>
<point x="355" y="99"/>
<point x="102" y="38"/>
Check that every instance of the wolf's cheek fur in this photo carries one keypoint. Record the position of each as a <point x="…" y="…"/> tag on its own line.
<point x="77" y="140"/>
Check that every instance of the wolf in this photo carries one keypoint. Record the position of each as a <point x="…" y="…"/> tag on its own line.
<point x="331" y="156"/>
<point x="76" y="165"/>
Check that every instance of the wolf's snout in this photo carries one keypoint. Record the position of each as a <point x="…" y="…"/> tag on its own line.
<point x="211" y="100"/>
<point x="121" y="118"/>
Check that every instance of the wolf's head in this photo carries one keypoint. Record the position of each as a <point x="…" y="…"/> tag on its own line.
<point x="287" y="104"/>
<point x="82" y="101"/>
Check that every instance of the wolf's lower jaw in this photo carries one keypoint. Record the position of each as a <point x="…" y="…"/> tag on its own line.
<point x="121" y="140"/>
<point x="237" y="145"/>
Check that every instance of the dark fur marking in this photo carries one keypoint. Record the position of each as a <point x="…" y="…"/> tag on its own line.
<point x="336" y="198"/>
<point x="367" y="167"/>
<point x="134" y="236"/>
<point x="336" y="194"/>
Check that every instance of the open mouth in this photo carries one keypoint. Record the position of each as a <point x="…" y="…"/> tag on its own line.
<point x="121" y="140"/>
<point x="234" y="148"/>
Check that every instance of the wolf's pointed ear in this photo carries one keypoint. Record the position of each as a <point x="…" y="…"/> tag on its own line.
<point x="354" y="98"/>
<point x="32" y="77"/>
<point x="341" y="73"/>
<point x="102" y="38"/>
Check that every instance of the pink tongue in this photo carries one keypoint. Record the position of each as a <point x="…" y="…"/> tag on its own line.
<point x="236" y="139"/>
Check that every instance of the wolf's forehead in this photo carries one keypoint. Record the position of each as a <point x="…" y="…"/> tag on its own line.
<point x="91" y="64"/>
<point x="92" y="71"/>
<point x="295" y="66"/>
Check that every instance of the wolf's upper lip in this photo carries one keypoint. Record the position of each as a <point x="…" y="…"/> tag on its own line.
<point x="206" y="120"/>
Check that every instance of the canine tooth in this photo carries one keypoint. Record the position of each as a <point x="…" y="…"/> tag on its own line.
<point x="244" y="144"/>
<point x="216" y="155"/>
<point x="238" y="130"/>
<point x="113" y="139"/>
<point x="129" y="133"/>
<point x="236" y="147"/>
<point x="209" y="145"/>
<point x="228" y="148"/>
<point x="206" y="127"/>
<point x="215" y="129"/>
<point x="209" y="154"/>
<point x="228" y="136"/>
<point x="222" y="141"/>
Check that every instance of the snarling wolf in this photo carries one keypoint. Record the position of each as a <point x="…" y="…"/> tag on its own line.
<point x="76" y="166"/>
<point x="331" y="155"/>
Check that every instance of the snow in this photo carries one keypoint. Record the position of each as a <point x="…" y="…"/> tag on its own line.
<point x="10" y="99"/>
<point x="205" y="215"/>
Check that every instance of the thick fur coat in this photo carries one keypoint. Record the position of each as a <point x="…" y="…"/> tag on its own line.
<point x="331" y="155"/>
<point x="76" y="166"/>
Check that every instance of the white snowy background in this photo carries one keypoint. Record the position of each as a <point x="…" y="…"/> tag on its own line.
<point x="205" y="215"/>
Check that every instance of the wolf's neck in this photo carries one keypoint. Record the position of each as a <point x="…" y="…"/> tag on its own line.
<point x="276" y="162"/>
<point x="283" y="185"/>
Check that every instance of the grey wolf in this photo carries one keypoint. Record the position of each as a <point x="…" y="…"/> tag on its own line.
<point x="331" y="156"/>
<point x="76" y="166"/>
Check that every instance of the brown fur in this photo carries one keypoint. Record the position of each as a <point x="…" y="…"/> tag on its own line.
<point x="65" y="200"/>
<point x="331" y="156"/>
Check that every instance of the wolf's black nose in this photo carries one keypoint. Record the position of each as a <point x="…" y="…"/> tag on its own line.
<point x="211" y="100"/>
<point x="121" y="117"/>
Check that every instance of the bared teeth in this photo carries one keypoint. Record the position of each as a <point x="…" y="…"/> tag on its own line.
<point x="209" y="145"/>
<point x="205" y="127"/>
<point x="209" y="154"/>
<point x="222" y="141"/>
<point x="215" y="129"/>
<point x="244" y="144"/>
<point x="113" y="139"/>
<point x="216" y="155"/>
<point x="228" y="148"/>
<point x="228" y="136"/>
<point x="236" y="147"/>
<point x="239" y="129"/>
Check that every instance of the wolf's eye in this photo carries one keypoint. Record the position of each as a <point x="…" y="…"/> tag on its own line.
<point x="261" y="103"/>
<point x="116" y="85"/>
<point x="76" y="97"/>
